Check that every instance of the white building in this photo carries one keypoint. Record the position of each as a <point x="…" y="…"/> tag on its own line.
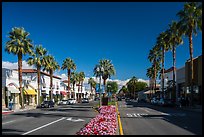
<point x="76" y="92"/>
<point x="10" y="88"/>
<point x="30" y="77"/>
<point x="168" y="78"/>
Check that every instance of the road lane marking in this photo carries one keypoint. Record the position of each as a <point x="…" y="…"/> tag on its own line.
<point x="8" y="122"/>
<point x="136" y="115"/>
<point x="43" y="126"/>
<point x="74" y="120"/>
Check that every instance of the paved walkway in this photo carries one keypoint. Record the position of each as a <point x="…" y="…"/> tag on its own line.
<point x="7" y="111"/>
<point x="194" y="109"/>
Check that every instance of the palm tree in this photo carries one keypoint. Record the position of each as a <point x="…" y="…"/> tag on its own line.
<point x="92" y="84"/>
<point x="78" y="80"/>
<point x="68" y="64"/>
<point x="155" y="58"/>
<point x="38" y="60"/>
<point x="109" y="70"/>
<point x="150" y="75"/>
<point x="50" y="66"/>
<point x="174" y="41"/>
<point x="19" y="44"/>
<point x="163" y="45"/>
<point x="73" y="79"/>
<point x="190" y="20"/>
<point x="124" y="90"/>
<point x="131" y="85"/>
<point x="81" y="79"/>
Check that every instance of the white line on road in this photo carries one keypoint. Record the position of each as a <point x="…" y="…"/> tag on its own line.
<point x="8" y="122"/>
<point x="43" y="126"/>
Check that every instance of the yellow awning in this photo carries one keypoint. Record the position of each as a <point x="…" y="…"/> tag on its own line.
<point x="30" y="92"/>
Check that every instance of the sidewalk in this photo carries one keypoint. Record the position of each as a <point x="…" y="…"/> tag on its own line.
<point x="7" y="111"/>
<point x="193" y="109"/>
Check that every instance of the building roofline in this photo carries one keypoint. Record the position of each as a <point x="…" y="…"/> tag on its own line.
<point x="35" y="71"/>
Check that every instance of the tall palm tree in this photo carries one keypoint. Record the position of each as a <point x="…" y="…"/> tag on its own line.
<point x="190" y="20"/>
<point x="124" y="90"/>
<point x="163" y="45"/>
<point x="92" y="82"/>
<point x="109" y="70"/>
<point x="81" y="79"/>
<point x="155" y="58"/>
<point x="19" y="44"/>
<point x="37" y="59"/>
<point x="131" y="85"/>
<point x="78" y="80"/>
<point x="50" y="66"/>
<point x="150" y="75"/>
<point x="68" y="64"/>
<point x="73" y="79"/>
<point x="174" y="41"/>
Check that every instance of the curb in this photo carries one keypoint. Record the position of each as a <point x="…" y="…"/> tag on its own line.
<point x="119" y="121"/>
<point x="7" y="112"/>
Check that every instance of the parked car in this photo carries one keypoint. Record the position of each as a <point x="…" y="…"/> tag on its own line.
<point x="127" y="99"/>
<point x="63" y="102"/>
<point x="166" y="102"/>
<point x="71" y="101"/>
<point x="119" y="98"/>
<point x="97" y="98"/>
<point x="47" y="104"/>
<point x="155" y="101"/>
<point x="85" y="100"/>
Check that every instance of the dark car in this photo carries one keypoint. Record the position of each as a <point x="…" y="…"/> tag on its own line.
<point x="119" y="98"/>
<point x="47" y="104"/>
<point x="97" y="98"/>
<point x="85" y="100"/>
<point x="166" y="102"/>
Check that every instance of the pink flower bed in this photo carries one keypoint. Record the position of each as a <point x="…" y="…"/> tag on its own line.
<point x="103" y="124"/>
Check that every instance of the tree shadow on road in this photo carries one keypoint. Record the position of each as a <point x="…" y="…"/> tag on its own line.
<point x="191" y="120"/>
<point x="6" y="131"/>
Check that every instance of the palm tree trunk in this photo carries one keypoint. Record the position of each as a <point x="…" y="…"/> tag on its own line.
<point x="20" y="78"/>
<point x="69" y="71"/>
<point x="78" y="90"/>
<point x="38" y="71"/>
<point x="163" y="71"/>
<point x="81" y="88"/>
<point x="191" y="64"/>
<point x="104" y="84"/>
<point x="174" y="65"/>
<point x="155" y="76"/>
<point x="51" y="88"/>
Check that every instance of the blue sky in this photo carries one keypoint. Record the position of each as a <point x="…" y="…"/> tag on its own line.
<point x="123" y="32"/>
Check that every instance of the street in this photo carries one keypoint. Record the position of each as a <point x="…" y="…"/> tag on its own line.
<point x="60" y="120"/>
<point x="146" y="119"/>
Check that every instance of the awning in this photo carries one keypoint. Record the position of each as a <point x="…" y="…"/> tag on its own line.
<point x="66" y="84"/>
<point x="151" y="92"/>
<point x="30" y="92"/>
<point x="13" y="90"/>
<point x="63" y="92"/>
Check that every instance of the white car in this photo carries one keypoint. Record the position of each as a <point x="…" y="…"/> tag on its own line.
<point x="71" y="101"/>
<point x="63" y="102"/>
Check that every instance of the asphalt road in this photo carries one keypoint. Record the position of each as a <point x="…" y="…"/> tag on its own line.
<point x="61" y="120"/>
<point x="147" y="119"/>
